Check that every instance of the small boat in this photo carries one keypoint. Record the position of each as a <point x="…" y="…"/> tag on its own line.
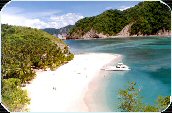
<point x="118" y="67"/>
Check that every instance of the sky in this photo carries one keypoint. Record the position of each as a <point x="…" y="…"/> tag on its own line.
<point x="56" y="14"/>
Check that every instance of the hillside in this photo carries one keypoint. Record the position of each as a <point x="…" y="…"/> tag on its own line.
<point x="63" y="30"/>
<point x="23" y="50"/>
<point x="146" y="18"/>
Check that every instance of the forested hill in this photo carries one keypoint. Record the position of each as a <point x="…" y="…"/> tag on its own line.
<point x="23" y="50"/>
<point x="63" y="30"/>
<point x="146" y="18"/>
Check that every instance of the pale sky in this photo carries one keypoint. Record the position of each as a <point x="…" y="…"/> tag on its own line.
<point x="56" y="14"/>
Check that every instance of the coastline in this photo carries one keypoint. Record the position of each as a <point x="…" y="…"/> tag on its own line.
<point x="97" y="89"/>
<point x="66" y="88"/>
<point x="121" y="37"/>
<point x="140" y="36"/>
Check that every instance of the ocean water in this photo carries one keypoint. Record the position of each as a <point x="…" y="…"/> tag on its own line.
<point x="149" y="59"/>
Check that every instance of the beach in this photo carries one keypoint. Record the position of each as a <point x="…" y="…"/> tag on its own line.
<point x="64" y="89"/>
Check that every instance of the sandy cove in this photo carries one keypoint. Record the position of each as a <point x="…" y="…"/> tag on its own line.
<point x="70" y="83"/>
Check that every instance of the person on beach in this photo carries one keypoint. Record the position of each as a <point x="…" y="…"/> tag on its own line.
<point x="54" y="88"/>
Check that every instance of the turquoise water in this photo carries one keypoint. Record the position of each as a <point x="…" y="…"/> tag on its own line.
<point x="148" y="58"/>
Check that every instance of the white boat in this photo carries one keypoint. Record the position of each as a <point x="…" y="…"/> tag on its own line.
<point x="118" y="67"/>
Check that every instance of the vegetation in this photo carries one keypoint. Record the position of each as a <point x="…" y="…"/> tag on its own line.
<point x="58" y="31"/>
<point x="13" y="96"/>
<point x="148" y="17"/>
<point x="131" y="101"/>
<point x="109" y="22"/>
<point x="25" y="49"/>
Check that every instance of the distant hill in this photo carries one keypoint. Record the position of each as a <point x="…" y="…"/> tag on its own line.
<point x="146" y="18"/>
<point x="63" y="30"/>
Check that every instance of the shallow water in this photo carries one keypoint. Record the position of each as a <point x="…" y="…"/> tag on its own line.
<point x="148" y="58"/>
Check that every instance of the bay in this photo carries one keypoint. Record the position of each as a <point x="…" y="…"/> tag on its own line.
<point x="149" y="59"/>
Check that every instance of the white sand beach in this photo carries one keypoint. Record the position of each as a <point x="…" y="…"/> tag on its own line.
<point x="63" y="90"/>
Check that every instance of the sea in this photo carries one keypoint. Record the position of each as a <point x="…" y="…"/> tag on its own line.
<point x="149" y="59"/>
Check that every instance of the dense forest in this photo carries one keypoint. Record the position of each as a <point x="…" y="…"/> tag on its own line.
<point x="23" y="50"/>
<point x="62" y="30"/>
<point x="147" y="18"/>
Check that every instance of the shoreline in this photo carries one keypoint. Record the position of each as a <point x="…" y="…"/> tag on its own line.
<point x="95" y="86"/>
<point x="122" y="37"/>
<point x="65" y="89"/>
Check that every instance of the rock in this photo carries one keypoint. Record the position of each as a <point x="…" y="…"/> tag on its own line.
<point x="125" y="32"/>
<point x="90" y="34"/>
<point x="164" y="32"/>
<point x="93" y="34"/>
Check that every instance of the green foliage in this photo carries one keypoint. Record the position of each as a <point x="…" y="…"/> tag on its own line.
<point x="148" y="17"/>
<point x="163" y="102"/>
<point x="130" y="98"/>
<point x="25" y="49"/>
<point x="149" y="108"/>
<point x="82" y="26"/>
<point x="70" y="57"/>
<point x="58" y="31"/>
<point x="13" y="97"/>
<point x="110" y="22"/>
<point x="131" y="101"/>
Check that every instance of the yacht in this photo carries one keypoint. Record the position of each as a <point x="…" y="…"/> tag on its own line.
<point x="118" y="67"/>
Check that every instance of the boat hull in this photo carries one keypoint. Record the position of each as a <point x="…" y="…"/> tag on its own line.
<point x="111" y="68"/>
<point x="116" y="69"/>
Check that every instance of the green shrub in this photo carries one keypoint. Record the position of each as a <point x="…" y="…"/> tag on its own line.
<point x="13" y="97"/>
<point x="25" y="49"/>
<point x="131" y="101"/>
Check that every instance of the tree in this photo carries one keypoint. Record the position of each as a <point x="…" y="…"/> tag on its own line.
<point x="148" y="18"/>
<point x="130" y="98"/>
<point x="23" y="50"/>
<point x="13" y="97"/>
<point x="131" y="101"/>
<point x="163" y="102"/>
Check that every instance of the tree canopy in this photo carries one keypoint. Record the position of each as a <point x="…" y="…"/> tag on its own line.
<point x="23" y="50"/>
<point x="148" y="17"/>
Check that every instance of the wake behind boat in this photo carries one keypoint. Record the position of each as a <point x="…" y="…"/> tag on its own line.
<point x="118" y="67"/>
